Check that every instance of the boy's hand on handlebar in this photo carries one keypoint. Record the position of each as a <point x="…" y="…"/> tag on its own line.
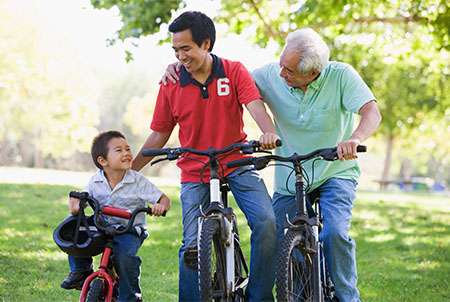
<point x="74" y="205"/>
<point x="347" y="149"/>
<point x="268" y="140"/>
<point x="161" y="207"/>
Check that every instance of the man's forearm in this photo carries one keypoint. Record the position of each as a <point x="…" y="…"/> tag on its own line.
<point x="154" y="140"/>
<point x="369" y="122"/>
<point x="259" y="114"/>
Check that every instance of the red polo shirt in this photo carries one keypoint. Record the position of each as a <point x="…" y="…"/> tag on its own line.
<point x="209" y="115"/>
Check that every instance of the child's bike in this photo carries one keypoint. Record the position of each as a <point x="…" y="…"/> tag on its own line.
<point x="222" y="269"/>
<point x="91" y="237"/>
<point x="301" y="271"/>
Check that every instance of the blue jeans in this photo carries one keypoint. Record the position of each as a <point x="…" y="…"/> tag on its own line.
<point x="127" y="264"/>
<point x="336" y="203"/>
<point x="251" y="196"/>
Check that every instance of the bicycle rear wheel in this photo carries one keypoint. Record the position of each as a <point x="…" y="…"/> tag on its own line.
<point x="212" y="274"/>
<point x="295" y="269"/>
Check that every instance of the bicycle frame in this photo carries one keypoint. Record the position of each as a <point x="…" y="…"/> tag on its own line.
<point x="301" y="220"/>
<point x="102" y="272"/>
<point x="218" y="206"/>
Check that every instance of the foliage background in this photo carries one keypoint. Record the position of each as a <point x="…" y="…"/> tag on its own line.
<point x="56" y="92"/>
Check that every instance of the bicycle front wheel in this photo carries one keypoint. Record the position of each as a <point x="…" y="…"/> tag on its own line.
<point x="212" y="274"/>
<point x="96" y="291"/>
<point x="294" y="275"/>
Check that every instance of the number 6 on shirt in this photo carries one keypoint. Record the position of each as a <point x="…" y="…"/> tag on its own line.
<point x="222" y="87"/>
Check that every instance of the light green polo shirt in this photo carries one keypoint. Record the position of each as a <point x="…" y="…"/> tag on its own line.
<point x="320" y="118"/>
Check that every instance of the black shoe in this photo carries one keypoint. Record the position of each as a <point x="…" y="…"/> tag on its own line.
<point x="75" y="280"/>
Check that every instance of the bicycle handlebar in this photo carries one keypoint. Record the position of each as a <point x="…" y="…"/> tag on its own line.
<point x="174" y="153"/>
<point x="110" y="211"/>
<point x="329" y="154"/>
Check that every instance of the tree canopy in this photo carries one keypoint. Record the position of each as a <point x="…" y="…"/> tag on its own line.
<point x="400" y="47"/>
<point x="40" y="112"/>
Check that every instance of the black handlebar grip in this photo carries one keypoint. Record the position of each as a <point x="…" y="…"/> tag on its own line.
<point x="78" y="195"/>
<point x="361" y="148"/>
<point x="153" y="152"/>
<point x="240" y="162"/>
<point x="278" y="143"/>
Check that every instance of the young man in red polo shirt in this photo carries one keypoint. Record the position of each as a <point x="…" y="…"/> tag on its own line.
<point x="207" y="104"/>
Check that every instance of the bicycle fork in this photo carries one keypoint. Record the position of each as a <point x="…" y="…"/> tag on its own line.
<point x="102" y="273"/>
<point x="317" y="282"/>
<point x="227" y="234"/>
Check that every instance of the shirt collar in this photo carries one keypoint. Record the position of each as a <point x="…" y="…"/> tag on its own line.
<point x="318" y="81"/>
<point x="216" y="72"/>
<point x="101" y="177"/>
<point x="314" y="84"/>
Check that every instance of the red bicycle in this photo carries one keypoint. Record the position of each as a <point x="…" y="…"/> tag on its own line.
<point x="90" y="237"/>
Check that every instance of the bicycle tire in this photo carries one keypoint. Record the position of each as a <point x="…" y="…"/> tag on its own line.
<point x="294" y="277"/>
<point x="212" y="269"/>
<point x="95" y="293"/>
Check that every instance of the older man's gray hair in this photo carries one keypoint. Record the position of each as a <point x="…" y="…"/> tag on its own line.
<point x="313" y="51"/>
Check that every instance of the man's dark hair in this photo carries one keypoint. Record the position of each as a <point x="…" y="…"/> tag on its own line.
<point x="100" y="145"/>
<point x="201" y="26"/>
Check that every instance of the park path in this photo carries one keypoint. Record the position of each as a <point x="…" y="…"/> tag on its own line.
<point x="61" y="177"/>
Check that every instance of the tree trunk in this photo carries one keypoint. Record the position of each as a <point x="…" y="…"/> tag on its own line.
<point x="38" y="159"/>
<point x="26" y="152"/>
<point x="387" y="162"/>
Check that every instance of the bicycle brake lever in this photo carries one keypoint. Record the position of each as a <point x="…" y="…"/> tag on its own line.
<point x="248" y="150"/>
<point x="329" y="155"/>
<point x="157" y="161"/>
<point x="260" y="163"/>
<point x="264" y="151"/>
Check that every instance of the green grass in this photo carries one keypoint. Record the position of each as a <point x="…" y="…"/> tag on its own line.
<point x="403" y="247"/>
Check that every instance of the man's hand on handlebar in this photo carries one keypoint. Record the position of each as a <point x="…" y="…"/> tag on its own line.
<point x="346" y="150"/>
<point x="161" y="207"/>
<point x="268" y="141"/>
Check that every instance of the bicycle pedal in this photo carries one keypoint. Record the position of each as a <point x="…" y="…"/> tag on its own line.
<point x="191" y="257"/>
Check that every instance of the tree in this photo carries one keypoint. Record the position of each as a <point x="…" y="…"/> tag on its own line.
<point x="41" y="116"/>
<point x="139" y="17"/>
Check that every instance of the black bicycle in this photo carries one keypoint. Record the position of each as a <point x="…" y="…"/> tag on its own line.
<point x="301" y="271"/>
<point x="223" y="271"/>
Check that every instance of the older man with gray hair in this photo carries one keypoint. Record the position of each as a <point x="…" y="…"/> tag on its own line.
<point x="313" y="101"/>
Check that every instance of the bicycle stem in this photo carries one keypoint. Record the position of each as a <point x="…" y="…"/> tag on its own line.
<point x="299" y="191"/>
<point x="214" y="182"/>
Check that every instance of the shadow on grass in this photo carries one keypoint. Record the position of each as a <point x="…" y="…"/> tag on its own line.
<point x="32" y="266"/>
<point x="403" y="252"/>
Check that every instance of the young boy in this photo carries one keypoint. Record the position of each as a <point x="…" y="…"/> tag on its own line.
<point x="117" y="185"/>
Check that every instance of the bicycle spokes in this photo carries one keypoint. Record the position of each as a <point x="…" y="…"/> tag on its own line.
<point x="300" y="281"/>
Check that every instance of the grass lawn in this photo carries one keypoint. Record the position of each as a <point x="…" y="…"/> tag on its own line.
<point x="403" y="247"/>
